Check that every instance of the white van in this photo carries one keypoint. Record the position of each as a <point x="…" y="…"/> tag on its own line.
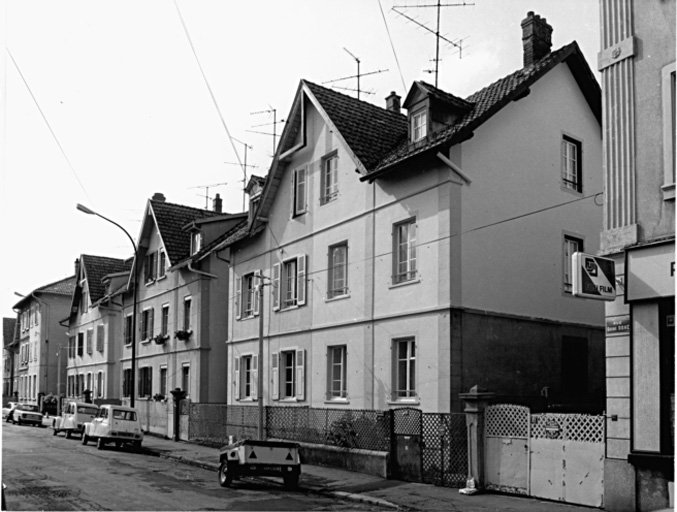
<point x="73" y="417"/>
<point x="114" y="424"/>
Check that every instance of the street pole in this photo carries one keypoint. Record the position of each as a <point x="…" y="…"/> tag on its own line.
<point x="58" y="381"/>
<point x="260" y="368"/>
<point x="89" y="211"/>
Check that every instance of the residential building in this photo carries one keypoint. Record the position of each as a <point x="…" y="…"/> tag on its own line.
<point x="182" y="309"/>
<point x="9" y="344"/>
<point x="94" y="325"/>
<point x="406" y="258"/>
<point x="637" y="62"/>
<point x="40" y="336"/>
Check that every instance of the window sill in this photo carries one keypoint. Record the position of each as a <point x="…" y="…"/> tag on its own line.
<point x="290" y="400"/>
<point x="405" y="401"/>
<point x="144" y="342"/>
<point x="248" y="317"/>
<point x="573" y="191"/>
<point x="248" y="400"/>
<point x="668" y="192"/>
<point x="161" y="277"/>
<point x="416" y="280"/>
<point x="337" y="401"/>
<point x="328" y="199"/>
<point x="338" y="297"/>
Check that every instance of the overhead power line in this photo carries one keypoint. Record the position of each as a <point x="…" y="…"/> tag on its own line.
<point x="392" y="46"/>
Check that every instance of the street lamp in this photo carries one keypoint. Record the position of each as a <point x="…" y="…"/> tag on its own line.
<point x="88" y="211"/>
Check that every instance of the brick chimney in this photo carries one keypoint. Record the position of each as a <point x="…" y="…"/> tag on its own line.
<point x="158" y="196"/>
<point x="536" y="38"/>
<point x="393" y="102"/>
<point x="217" y="203"/>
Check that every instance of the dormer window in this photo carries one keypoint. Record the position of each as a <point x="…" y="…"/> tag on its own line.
<point x="195" y="242"/>
<point x="419" y="126"/>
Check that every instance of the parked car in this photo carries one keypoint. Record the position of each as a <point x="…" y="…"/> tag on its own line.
<point x="116" y="424"/>
<point x="73" y="417"/>
<point x="7" y="410"/>
<point x="27" y="413"/>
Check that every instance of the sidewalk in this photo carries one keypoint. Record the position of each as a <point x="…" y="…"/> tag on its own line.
<point x="367" y="488"/>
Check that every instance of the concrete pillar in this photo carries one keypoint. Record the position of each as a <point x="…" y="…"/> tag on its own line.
<point x="474" y="404"/>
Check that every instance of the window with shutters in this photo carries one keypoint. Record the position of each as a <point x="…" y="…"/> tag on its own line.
<point x="128" y="329"/>
<point x="404" y="369"/>
<point x="163" y="381"/>
<point x="185" y="378"/>
<point x="99" y="385"/>
<point x="289" y="283"/>
<point x="145" y="382"/>
<point x="246" y="296"/>
<point x="100" y="334"/>
<point x="90" y="341"/>
<point x="127" y="382"/>
<point x="150" y="267"/>
<point x="164" y="321"/>
<point x="81" y="343"/>
<point x="187" y="303"/>
<point x="246" y="375"/>
<point x="329" y="178"/>
<point x="337" y="280"/>
<point x="336" y="373"/>
<point x="161" y="264"/>
<point x="288" y="369"/>
<point x="147" y="321"/>
<point x="299" y="192"/>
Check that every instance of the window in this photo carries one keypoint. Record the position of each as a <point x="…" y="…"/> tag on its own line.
<point x="84" y="301"/>
<point x="99" y="385"/>
<point x="338" y="270"/>
<point x="163" y="381"/>
<point x="669" y="131"/>
<point x="336" y="373"/>
<point x="186" y="313"/>
<point x="246" y="298"/>
<point x="185" y="378"/>
<point x="100" y="333"/>
<point x="571" y="245"/>
<point x="71" y="348"/>
<point x="145" y="381"/>
<point x="164" y="326"/>
<point x="195" y="242"/>
<point x="404" y="369"/>
<point x="147" y="321"/>
<point x="150" y="267"/>
<point x="89" y="382"/>
<point x="299" y="189"/>
<point x="161" y="264"/>
<point x="129" y="329"/>
<point x="329" y="178"/>
<point x="90" y="341"/>
<point x="404" y="251"/>
<point x="127" y="382"/>
<point x="289" y="283"/>
<point x="419" y="126"/>
<point x="572" y="164"/>
<point x="81" y="343"/>
<point x="246" y="377"/>
<point x="288" y="369"/>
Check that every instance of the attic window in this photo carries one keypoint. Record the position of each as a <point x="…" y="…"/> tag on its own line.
<point x="195" y="242"/>
<point x="419" y="125"/>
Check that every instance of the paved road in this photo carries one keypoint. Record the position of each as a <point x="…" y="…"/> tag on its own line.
<point x="43" y="472"/>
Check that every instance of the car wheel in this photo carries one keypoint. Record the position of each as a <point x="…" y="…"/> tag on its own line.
<point x="225" y="475"/>
<point x="100" y="443"/>
<point x="85" y="438"/>
<point x="68" y="434"/>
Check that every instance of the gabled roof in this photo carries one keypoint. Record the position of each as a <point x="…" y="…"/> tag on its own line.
<point x="8" y="325"/>
<point x="439" y="94"/>
<point x="493" y="98"/>
<point x="170" y="220"/>
<point x="98" y="267"/>
<point x="64" y="286"/>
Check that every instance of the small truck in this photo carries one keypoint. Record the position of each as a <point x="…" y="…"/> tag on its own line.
<point x="260" y="458"/>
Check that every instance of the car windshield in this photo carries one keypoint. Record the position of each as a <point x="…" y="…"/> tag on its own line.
<point x="87" y="410"/>
<point x="124" y="415"/>
<point x="29" y="407"/>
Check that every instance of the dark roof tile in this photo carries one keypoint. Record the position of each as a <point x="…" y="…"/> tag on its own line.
<point x="98" y="267"/>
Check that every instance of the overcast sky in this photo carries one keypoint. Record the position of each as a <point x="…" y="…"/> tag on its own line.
<point x="105" y="103"/>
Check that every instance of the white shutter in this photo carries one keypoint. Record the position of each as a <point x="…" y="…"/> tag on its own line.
<point x="238" y="292"/>
<point x="300" y="375"/>
<point x="276" y="380"/>
<point x="276" y="287"/>
<point x="255" y="377"/>
<point x="301" y="280"/>
<point x="143" y="325"/>
<point x="237" y="378"/>
<point x="259" y="282"/>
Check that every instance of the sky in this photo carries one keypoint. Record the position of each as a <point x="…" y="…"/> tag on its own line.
<point x="106" y="102"/>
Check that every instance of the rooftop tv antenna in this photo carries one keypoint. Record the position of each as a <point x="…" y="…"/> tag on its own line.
<point x="355" y="76"/>
<point x="244" y="169"/>
<point x="206" y="194"/>
<point x="274" y="125"/>
<point x="456" y="44"/>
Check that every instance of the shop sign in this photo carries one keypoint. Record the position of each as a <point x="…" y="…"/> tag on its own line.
<point x="650" y="272"/>
<point x="593" y="277"/>
<point x="618" y="326"/>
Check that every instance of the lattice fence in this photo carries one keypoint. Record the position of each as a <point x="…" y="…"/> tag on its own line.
<point x="445" y="449"/>
<point x="506" y="420"/>
<point x="206" y="422"/>
<point x="568" y="427"/>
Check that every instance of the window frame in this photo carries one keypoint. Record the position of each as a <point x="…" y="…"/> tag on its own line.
<point x="145" y="387"/>
<point x="164" y="320"/>
<point x="150" y="267"/>
<point x="568" y="183"/>
<point x="333" y="291"/>
<point x="80" y="344"/>
<point x="411" y="272"/>
<point x="329" y="177"/>
<point x="90" y="341"/>
<point x="567" y="264"/>
<point x="185" y="378"/>
<point x="410" y="394"/>
<point x="298" y="375"/>
<point x="163" y="380"/>
<point x="187" y="312"/>
<point x="419" y="130"/>
<point x="127" y="328"/>
<point x="334" y="395"/>
<point x="281" y="281"/>
<point x="668" y="108"/>
<point x="161" y="264"/>
<point x="147" y="324"/>
<point x="195" y="242"/>
<point x="100" y="337"/>
<point x="299" y="192"/>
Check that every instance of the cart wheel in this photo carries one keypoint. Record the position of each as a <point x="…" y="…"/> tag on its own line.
<point x="225" y="476"/>
<point x="291" y="481"/>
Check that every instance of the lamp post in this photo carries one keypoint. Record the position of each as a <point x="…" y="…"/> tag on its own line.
<point x="88" y="211"/>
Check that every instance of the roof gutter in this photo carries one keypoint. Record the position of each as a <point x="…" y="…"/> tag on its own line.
<point x="189" y="265"/>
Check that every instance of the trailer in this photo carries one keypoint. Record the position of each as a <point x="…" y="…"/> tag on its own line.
<point x="260" y="458"/>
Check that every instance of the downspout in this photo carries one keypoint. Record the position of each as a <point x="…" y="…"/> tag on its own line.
<point x="373" y="292"/>
<point x="46" y="337"/>
<point x="200" y="272"/>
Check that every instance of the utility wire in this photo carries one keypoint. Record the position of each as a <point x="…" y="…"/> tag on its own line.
<point x="211" y="93"/>
<point x="399" y="68"/>
<point x="47" y="123"/>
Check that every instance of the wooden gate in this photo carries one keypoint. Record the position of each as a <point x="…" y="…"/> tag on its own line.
<point x="554" y="456"/>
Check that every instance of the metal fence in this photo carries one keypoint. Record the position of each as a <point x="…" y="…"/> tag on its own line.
<point x="445" y="449"/>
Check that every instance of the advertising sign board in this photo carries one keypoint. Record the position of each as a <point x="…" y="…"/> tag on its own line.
<point x="593" y="277"/>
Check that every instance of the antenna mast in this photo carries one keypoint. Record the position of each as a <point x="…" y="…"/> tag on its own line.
<point x="207" y="187"/>
<point x="274" y="124"/>
<point x="356" y="76"/>
<point x="244" y="169"/>
<point x="438" y="36"/>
